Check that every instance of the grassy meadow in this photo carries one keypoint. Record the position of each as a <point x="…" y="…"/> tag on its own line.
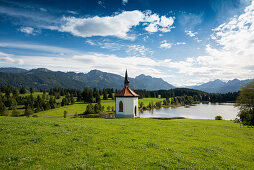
<point x="53" y="143"/>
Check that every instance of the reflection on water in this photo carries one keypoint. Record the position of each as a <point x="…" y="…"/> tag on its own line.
<point x="198" y="111"/>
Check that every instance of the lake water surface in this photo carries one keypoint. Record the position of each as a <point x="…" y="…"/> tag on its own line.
<point x="198" y="111"/>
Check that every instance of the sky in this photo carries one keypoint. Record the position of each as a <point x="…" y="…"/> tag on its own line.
<point x="184" y="42"/>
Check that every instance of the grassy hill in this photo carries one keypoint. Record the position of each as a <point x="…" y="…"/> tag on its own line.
<point x="58" y="143"/>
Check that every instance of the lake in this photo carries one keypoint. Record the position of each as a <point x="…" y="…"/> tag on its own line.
<point x="197" y="111"/>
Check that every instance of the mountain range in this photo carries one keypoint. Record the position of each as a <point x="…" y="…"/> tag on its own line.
<point x="218" y="86"/>
<point x="42" y="78"/>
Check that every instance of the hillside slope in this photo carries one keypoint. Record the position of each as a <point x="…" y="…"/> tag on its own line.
<point x="58" y="143"/>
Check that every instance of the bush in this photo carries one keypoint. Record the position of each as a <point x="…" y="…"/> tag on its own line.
<point x="15" y="113"/>
<point x="65" y="114"/>
<point x="218" y="117"/>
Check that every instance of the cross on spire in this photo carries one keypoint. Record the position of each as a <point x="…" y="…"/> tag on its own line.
<point x="126" y="81"/>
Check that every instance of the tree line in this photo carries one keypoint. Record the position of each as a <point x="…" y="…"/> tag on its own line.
<point x="13" y="99"/>
<point x="196" y="94"/>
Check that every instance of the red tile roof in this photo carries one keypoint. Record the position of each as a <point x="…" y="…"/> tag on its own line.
<point x="126" y="92"/>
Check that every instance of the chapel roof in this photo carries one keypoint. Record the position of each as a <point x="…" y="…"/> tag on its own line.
<point x="126" y="92"/>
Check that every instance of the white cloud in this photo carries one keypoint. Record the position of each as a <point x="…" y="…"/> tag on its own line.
<point x="190" y="33"/>
<point x="101" y="3"/>
<point x="165" y="44"/>
<point x="72" y="12"/>
<point x="28" y="30"/>
<point x="180" y="43"/>
<point x="89" y="61"/>
<point x="138" y="50"/>
<point x="43" y="10"/>
<point x="90" y="42"/>
<point x="153" y="27"/>
<point x="7" y="58"/>
<point x="38" y="47"/>
<point x="157" y="23"/>
<point x="124" y="2"/>
<point x="118" y="25"/>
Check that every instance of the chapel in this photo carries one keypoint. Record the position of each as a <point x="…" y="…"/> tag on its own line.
<point x="126" y="101"/>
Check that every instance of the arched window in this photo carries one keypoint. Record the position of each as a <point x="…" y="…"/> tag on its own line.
<point x="135" y="111"/>
<point x="120" y="106"/>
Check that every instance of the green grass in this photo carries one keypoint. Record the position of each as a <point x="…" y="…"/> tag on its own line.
<point x="35" y="94"/>
<point x="58" y="143"/>
<point x="77" y="108"/>
<point x="71" y="109"/>
<point x="147" y="100"/>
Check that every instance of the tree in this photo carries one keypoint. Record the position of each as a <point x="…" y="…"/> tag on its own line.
<point x="97" y="97"/>
<point x="218" y="117"/>
<point x="28" y="111"/>
<point x="31" y="89"/>
<point x="22" y="90"/>
<point x="3" y="110"/>
<point x="65" y="114"/>
<point x="97" y="108"/>
<point x="245" y="102"/>
<point x="110" y="95"/>
<point x="105" y="95"/>
<point x="72" y="99"/>
<point x="13" y="104"/>
<point x="89" y="109"/>
<point x="15" y="92"/>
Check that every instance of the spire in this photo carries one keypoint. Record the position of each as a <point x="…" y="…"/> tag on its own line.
<point x="126" y="81"/>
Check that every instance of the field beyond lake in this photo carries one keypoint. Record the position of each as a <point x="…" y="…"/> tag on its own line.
<point x="53" y="143"/>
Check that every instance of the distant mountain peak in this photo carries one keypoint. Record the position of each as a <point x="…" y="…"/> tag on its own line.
<point x="143" y="76"/>
<point x="40" y="70"/>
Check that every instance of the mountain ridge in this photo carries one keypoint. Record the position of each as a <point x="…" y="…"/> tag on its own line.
<point x="219" y="86"/>
<point x="42" y="78"/>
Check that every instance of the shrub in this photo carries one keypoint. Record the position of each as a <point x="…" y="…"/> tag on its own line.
<point x="218" y="117"/>
<point x="65" y="113"/>
<point x="15" y="113"/>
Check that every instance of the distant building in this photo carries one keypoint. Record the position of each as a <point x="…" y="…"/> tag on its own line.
<point x="126" y="101"/>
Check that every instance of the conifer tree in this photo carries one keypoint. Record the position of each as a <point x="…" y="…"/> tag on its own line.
<point x="3" y="110"/>
<point x="22" y="90"/>
<point x="28" y="111"/>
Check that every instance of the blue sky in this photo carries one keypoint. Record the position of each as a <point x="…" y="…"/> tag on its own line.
<point x="184" y="42"/>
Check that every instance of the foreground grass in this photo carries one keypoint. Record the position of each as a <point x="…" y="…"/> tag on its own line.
<point x="51" y="143"/>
